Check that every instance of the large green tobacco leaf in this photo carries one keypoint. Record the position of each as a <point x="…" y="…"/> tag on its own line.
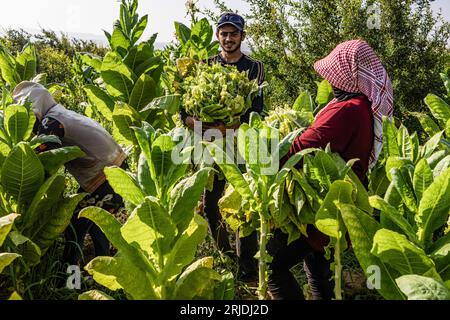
<point x="184" y="198"/>
<point x="169" y="103"/>
<point x="435" y="158"/>
<point x="442" y="165"/>
<point x="281" y="208"/>
<point x="119" y="41"/>
<point x="125" y="185"/>
<point x="118" y="77"/>
<point x="6" y="259"/>
<point x="447" y="129"/>
<point x="404" y="142"/>
<point x="201" y="33"/>
<point x="285" y="145"/>
<point x="143" y="92"/>
<point x="423" y="178"/>
<point x="22" y="173"/>
<point x="145" y="136"/>
<point x="434" y="207"/>
<point x="362" y="197"/>
<point x="393" y="215"/>
<point x="111" y="228"/>
<point x="29" y="250"/>
<point x="393" y="197"/>
<point x="431" y="145"/>
<point x="150" y="229"/>
<point x="44" y="200"/>
<point x="304" y="102"/>
<point x="397" y="251"/>
<point x="125" y="117"/>
<point x="56" y="221"/>
<point x="417" y="287"/>
<point x="390" y="143"/>
<point x="231" y="172"/>
<point x="430" y="127"/>
<point x="26" y="63"/>
<point x="397" y="163"/>
<point x="225" y="289"/>
<point x="248" y="145"/>
<point x="438" y="107"/>
<point x="183" y="32"/>
<point x="91" y="60"/>
<point x="230" y="207"/>
<point x="362" y="228"/>
<point x="327" y="218"/>
<point x="161" y="157"/>
<point x="138" y="55"/>
<point x="415" y="144"/>
<point x="31" y="123"/>
<point x="324" y="169"/>
<point x="175" y="173"/>
<point x="139" y="29"/>
<point x="145" y="181"/>
<point x="7" y="67"/>
<point x="6" y="223"/>
<point x="120" y="273"/>
<point x="151" y="66"/>
<point x="4" y="151"/>
<point x="324" y="93"/>
<point x="56" y="158"/>
<point x="184" y="249"/>
<point x="402" y="182"/>
<point x="38" y="140"/>
<point x="16" y="122"/>
<point x="94" y="295"/>
<point x="197" y="281"/>
<point x="311" y="194"/>
<point x="100" y="100"/>
<point x="107" y="223"/>
<point x="441" y="257"/>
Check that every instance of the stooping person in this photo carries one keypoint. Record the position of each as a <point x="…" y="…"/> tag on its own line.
<point x="101" y="151"/>
<point x="352" y="124"/>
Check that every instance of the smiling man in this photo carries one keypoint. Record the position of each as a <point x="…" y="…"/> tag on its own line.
<point x="230" y="34"/>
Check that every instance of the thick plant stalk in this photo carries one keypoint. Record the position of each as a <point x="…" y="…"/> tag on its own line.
<point x="262" y="289"/>
<point x="338" y="269"/>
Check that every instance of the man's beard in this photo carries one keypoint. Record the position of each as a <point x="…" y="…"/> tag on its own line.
<point x="233" y="50"/>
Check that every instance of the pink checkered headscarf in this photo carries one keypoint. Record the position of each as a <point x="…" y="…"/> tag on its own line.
<point x="353" y="66"/>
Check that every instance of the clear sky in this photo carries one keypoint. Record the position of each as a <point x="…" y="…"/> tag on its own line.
<point x="91" y="16"/>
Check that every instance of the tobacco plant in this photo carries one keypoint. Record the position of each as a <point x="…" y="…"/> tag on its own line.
<point x="157" y="244"/>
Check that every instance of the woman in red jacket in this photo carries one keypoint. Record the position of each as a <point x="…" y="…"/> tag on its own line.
<point x="352" y="124"/>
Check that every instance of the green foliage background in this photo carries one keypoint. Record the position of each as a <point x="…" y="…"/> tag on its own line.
<point x="289" y="36"/>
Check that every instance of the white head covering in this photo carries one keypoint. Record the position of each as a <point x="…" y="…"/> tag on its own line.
<point x="41" y="99"/>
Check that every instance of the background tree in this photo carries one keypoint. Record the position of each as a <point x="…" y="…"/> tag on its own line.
<point x="55" y="52"/>
<point x="289" y="36"/>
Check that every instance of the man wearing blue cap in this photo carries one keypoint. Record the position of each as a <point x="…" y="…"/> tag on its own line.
<point x="230" y="34"/>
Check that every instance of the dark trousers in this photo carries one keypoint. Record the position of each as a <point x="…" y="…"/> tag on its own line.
<point x="282" y="284"/>
<point x="246" y="247"/>
<point x="105" y="198"/>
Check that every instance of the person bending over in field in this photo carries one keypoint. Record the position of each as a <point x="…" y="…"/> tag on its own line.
<point x="101" y="151"/>
<point x="352" y="124"/>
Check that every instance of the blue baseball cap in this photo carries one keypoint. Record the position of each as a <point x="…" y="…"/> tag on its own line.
<point x="231" y="18"/>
